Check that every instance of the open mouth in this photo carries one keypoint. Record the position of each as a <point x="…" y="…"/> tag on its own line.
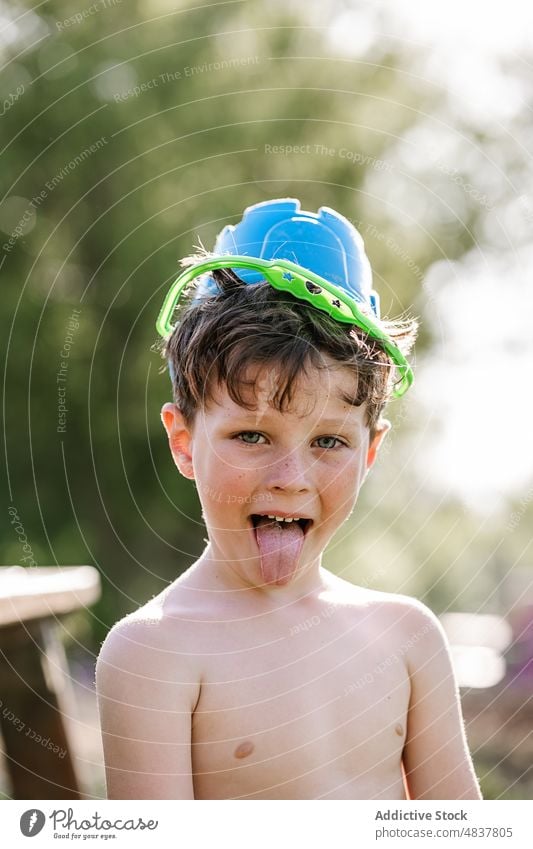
<point x="280" y="522"/>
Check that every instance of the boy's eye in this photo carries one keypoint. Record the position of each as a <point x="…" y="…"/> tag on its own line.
<point x="243" y="436"/>
<point x="330" y="439"/>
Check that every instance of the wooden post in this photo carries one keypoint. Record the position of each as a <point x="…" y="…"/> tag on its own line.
<point x="34" y="680"/>
<point x="36" y="742"/>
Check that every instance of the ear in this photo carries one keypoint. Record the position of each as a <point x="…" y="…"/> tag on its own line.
<point x="179" y="439"/>
<point x="381" y="430"/>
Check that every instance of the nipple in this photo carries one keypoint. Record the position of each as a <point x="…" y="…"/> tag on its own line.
<point x="244" y="749"/>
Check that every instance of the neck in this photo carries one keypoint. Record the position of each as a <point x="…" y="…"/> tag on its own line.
<point x="215" y="572"/>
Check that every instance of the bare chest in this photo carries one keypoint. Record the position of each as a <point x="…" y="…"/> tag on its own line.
<point x="311" y="713"/>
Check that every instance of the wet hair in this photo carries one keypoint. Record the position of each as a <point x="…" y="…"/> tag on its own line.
<point x="217" y="341"/>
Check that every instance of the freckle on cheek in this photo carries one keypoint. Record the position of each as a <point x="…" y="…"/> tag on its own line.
<point x="244" y="749"/>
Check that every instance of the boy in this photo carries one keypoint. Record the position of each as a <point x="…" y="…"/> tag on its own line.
<point x="258" y="674"/>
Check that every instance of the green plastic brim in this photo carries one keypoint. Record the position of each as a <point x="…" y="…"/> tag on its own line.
<point x="303" y="284"/>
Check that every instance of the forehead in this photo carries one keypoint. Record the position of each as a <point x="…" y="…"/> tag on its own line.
<point x="317" y="393"/>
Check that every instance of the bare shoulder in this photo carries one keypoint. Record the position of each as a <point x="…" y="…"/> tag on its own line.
<point x="151" y="642"/>
<point x="421" y="633"/>
<point x="407" y="623"/>
<point x="148" y="685"/>
<point x="391" y="605"/>
<point x="409" y="616"/>
<point x="415" y="632"/>
<point x="436" y="759"/>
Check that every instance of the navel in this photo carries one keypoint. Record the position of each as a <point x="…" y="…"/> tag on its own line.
<point x="244" y="749"/>
<point x="399" y="730"/>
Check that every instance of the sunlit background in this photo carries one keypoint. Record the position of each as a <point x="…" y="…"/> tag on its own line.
<point x="131" y="131"/>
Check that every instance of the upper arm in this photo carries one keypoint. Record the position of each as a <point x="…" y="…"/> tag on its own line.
<point x="146" y="697"/>
<point x="436" y="758"/>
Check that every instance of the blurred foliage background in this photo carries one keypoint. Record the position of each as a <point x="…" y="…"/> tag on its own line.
<point x="130" y="130"/>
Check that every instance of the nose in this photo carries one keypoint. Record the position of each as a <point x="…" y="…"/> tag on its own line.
<point x="288" y="472"/>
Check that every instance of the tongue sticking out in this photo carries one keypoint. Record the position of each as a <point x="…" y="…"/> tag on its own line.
<point x="280" y="545"/>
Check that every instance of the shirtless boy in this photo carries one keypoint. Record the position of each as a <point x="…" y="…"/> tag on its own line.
<point x="258" y="674"/>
